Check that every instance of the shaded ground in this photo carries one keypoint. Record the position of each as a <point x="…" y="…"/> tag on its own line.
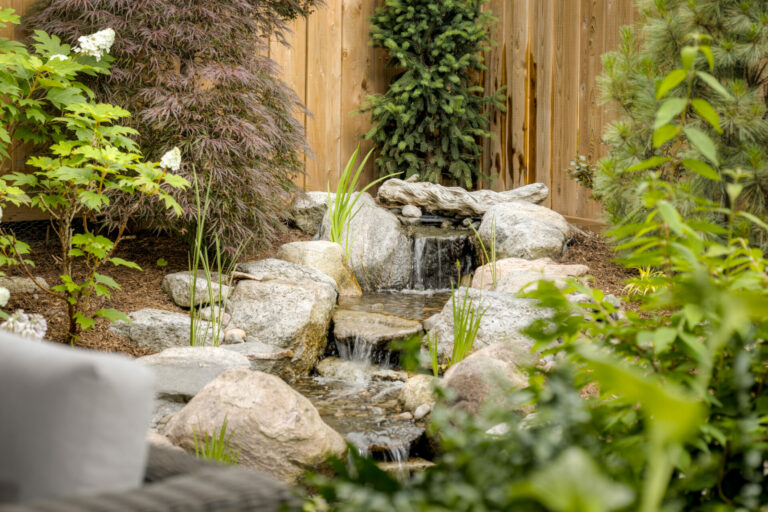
<point x="592" y="250"/>
<point x="142" y="289"/>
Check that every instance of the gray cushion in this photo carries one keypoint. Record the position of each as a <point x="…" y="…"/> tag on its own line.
<point x="72" y="422"/>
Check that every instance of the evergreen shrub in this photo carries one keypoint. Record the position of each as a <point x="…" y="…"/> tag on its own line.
<point x="432" y="119"/>
<point x="633" y="75"/>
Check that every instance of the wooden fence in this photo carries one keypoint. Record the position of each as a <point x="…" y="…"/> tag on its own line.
<point x="547" y="55"/>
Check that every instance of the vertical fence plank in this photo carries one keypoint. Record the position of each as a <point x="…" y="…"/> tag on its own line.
<point x="565" y="106"/>
<point x="493" y="163"/>
<point x="358" y="79"/>
<point x="324" y="95"/>
<point x="544" y="92"/>
<point x="518" y="78"/>
<point x="292" y="60"/>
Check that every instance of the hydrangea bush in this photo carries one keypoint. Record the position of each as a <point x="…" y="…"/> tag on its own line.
<point x="82" y="158"/>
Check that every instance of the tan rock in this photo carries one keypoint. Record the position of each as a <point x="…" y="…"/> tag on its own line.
<point x="277" y="430"/>
<point x="517" y="272"/>
<point x="325" y="256"/>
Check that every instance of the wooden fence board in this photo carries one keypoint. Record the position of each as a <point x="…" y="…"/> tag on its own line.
<point x="547" y="54"/>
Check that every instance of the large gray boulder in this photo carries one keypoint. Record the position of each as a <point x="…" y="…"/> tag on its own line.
<point x="184" y="371"/>
<point x="454" y="201"/>
<point x="525" y="230"/>
<point x="505" y="316"/>
<point x="277" y="430"/>
<point x="178" y="286"/>
<point x="22" y="285"/>
<point x="325" y="256"/>
<point x="286" y="321"/>
<point x="381" y="253"/>
<point x="273" y="269"/>
<point x="487" y="375"/>
<point x="157" y="329"/>
<point x="308" y="210"/>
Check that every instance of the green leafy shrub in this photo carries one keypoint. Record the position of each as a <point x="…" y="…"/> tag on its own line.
<point x="201" y="82"/>
<point x="82" y="156"/>
<point x="679" y="419"/>
<point x="432" y="118"/>
<point x="632" y="78"/>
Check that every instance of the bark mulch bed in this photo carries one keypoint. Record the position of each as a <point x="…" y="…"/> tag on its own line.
<point x="140" y="289"/>
<point x="593" y="250"/>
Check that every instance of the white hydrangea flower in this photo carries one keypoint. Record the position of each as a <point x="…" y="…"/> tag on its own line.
<point x="58" y="57"/>
<point x="30" y="326"/>
<point x="171" y="160"/>
<point x="96" y="45"/>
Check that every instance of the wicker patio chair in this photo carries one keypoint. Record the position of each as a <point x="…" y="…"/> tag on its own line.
<point x="178" y="482"/>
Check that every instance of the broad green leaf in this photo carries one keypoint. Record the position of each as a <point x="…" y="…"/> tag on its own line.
<point x="668" y="110"/>
<point x="84" y="321"/>
<point x="702" y="142"/>
<point x="672" y="80"/>
<point x="702" y="169"/>
<point x="112" y="315"/>
<point x="688" y="57"/>
<point x="707" y="112"/>
<point x="671" y="216"/>
<point x="125" y="263"/>
<point x="107" y="281"/>
<point x="715" y="84"/>
<point x="574" y="482"/>
<point x="665" y="134"/>
<point x="652" y="162"/>
<point x="707" y="51"/>
<point x="663" y="338"/>
<point x="672" y="415"/>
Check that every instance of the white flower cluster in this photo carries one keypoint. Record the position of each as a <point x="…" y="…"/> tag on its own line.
<point x="171" y="160"/>
<point x="30" y="326"/>
<point x="96" y="45"/>
<point x="58" y="57"/>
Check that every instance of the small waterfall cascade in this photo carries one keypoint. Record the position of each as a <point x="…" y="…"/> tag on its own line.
<point x="435" y="254"/>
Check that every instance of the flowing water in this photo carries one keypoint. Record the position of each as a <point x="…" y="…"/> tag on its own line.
<point x="436" y="253"/>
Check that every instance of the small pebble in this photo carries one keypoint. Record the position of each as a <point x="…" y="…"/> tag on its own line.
<point x="234" y="336"/>
<point x="412" y="211"/>
<point x="421" y="411"/>
<point x="403" y="416"/>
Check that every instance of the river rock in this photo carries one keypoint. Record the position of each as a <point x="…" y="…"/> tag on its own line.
<point x="277" y="430"/>
<point x="454" y="201"/>
<point x="411" y="211"/>
<point x="273" y="269"/>
<point x="5" y="296"/>
<point x="486" y="375"/>
<point x="158" y="330"/>
<point x="22" y="285"/>
<point x="374" y="329"/>
<point x="177" y="286"/>
<point x="517" y="272"/>
<point x="505" y="316"/>
<point x="184" y="371"/>
<point x="308" y="210"/>
<point x="525" y="230"/>
<point x="289" y="317"/>
<point x="380" y="255"/>
<point x="417" y="391"/>
<point x="162" y="412"/>
<point x="325" y="256"/>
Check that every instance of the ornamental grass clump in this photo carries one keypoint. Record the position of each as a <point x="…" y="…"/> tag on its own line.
<point x="195" y="75"/>
<point x="341" y="209"/>
<point x="82" y="159"/>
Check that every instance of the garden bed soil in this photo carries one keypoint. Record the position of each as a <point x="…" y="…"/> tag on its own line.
<point x="142" y="289"/>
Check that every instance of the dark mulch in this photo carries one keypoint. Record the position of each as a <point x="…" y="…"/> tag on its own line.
<point x="593" y="250"/>
<point x="140" y="289"/>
